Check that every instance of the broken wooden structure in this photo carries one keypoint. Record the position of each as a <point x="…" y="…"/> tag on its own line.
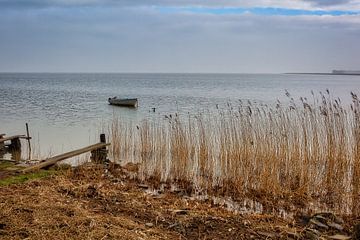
<point x="98" y="155"/>
<point x="15" y="143"/>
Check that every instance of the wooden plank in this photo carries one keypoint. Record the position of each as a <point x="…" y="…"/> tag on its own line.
<point x="51" y="161"/>
<point x="7" y="160"/>
<point x="11" y="138"/>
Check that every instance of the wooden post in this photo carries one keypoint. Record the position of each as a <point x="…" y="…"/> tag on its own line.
<point x="15" y="144"/>
<point x="2" y="145"/>
<point x="102" y="138"/>
<point x="28" y="139"/>
<point x="100" y="155"/>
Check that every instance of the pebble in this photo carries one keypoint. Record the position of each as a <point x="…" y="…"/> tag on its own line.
<point x="144" y="186"/>
<point x="149" y="224"/>
<point x="339" y="237"/>
<point x="318" y="223"/>
<point x="335" y="226"/>
<point x="181" y="211"/>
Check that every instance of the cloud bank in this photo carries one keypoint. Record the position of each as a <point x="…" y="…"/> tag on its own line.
<point x="93" y="36"/>
<point x="301" y="4"/>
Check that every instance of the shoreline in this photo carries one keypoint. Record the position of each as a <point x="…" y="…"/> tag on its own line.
<point x="85" y="202"/>
<point x="335" y="74"/>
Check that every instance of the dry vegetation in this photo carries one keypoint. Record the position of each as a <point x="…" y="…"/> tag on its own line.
<point x="86" y="203"/>
<point x="305" y="153"/>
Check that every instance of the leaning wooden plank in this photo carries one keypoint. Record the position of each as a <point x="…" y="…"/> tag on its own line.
<point x="11" y="138"/>
<point x="51" y="161"/>
<point x="7" y="160"/>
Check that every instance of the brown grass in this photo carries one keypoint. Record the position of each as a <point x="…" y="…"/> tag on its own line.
<point x="306" y="152"/>
<point x="84" y="203"/>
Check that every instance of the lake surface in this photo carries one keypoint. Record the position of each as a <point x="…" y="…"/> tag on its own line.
<point x="67" y="111"/>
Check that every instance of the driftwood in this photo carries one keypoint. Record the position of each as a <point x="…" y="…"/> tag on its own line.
<point x="53" y="160"/>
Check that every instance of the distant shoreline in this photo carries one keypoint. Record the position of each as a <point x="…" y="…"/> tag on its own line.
<point x="351" y="74"/>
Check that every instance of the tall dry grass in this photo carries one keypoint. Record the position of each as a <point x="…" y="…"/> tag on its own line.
<point x="306" y="149"/>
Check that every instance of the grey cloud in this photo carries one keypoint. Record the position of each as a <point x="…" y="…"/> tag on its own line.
<point x="328" y="2"/>
<point x="48" y="3"/>
<point x="88" y="3"/>
<point x="30" y="4"/>
<point x="141" y="41"/>
<point x="19" y="4"/>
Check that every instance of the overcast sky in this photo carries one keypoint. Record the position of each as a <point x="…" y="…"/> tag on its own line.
<point x="253" y="36"/>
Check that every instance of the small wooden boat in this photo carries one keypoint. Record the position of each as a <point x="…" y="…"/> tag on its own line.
<point x="126" y="102"/>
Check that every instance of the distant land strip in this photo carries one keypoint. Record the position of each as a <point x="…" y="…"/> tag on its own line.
<point x="334" y="72"/>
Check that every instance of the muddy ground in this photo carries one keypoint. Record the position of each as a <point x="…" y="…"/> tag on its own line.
<point x="85" y="203"/>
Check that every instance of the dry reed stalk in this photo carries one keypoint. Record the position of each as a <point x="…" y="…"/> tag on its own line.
<point x="301" y="148"/>
<point x="356" y="161"/>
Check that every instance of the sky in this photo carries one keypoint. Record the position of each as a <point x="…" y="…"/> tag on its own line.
<point x="193" y="36"/>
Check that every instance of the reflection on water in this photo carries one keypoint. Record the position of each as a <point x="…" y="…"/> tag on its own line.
<point x="68" y="111"/>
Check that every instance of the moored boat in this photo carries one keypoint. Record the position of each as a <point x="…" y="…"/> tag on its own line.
<point x="126" y="102"/>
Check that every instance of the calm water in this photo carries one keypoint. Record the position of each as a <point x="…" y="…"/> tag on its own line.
<point x="67" y="111"/>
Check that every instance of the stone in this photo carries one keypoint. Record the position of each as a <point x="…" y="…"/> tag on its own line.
<point x="181" y="211"/>
<point x="143" y="186"/>
<point x="318" y="223"/>
<point x="339" y="237"/>
<point x="149" y="224"/>
<point x="335" y="226"/>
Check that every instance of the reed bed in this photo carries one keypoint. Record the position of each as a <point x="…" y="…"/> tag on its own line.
<point x="304" y="151"/>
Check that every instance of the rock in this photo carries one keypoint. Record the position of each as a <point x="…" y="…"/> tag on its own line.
<point x="335" y="226"/>
<point x="328" y="217"/>
<point x="339" y="237"/>
<point x="181" y="211"/>
<point x="318" y="223"/>
<point x="149" y="224"/>
<point x="143" y="186"/>
<point x="321" y="218"/>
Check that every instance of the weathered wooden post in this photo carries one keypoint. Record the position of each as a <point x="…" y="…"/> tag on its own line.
<point x="102" y="138"/>
<point x="2" y="145"/>
<point x="100" y="155"/>
<point x="28" y="139"/>
<point x="15" y="144"/>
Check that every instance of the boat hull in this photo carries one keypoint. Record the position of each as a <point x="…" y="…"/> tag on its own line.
<point x="124" y="102"/>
